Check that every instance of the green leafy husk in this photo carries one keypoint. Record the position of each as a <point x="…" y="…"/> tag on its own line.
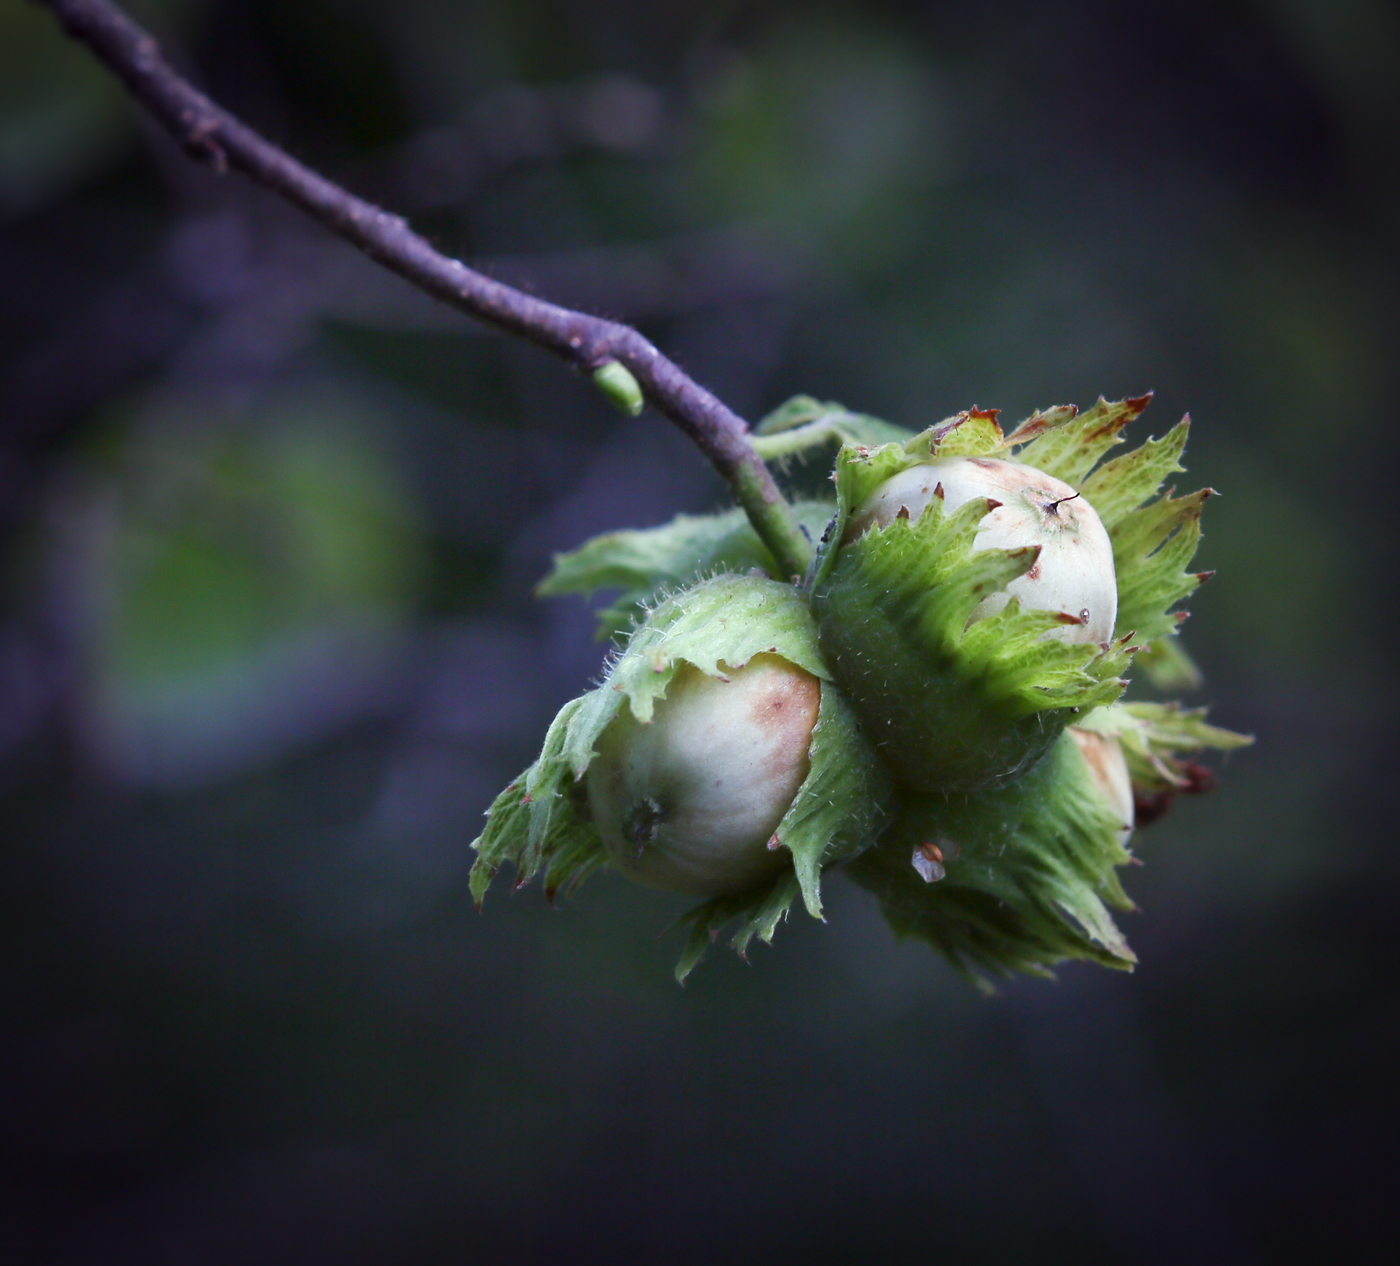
<point x="1027" y="872"/>
<point x="648" y="563"/>
<point x="1153" y="736"/>
<point x="955" y="708"/>
<point x="540" y="823"/>
<point x="1030" y="857"/>
<point x="1153" y="536"/>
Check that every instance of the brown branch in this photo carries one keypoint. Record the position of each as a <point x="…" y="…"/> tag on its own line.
<point x="211" y="134"/>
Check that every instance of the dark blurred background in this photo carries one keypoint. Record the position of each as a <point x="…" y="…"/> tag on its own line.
<point x="268" y="646"/>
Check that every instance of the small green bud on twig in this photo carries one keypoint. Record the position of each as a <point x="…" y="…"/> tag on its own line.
<point x="616" y="382"/>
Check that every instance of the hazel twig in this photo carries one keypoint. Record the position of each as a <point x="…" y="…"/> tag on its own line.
<point x="209" y="133"/>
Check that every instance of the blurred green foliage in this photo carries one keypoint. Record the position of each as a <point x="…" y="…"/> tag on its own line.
<point x="268" y="534"/>
<point x="221" y="573"/>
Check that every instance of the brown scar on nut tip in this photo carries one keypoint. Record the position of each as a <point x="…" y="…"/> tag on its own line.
<point x="1034" y="573"/>
<point x="1138" y="403"/>
<point x="938" y="491"/>
<point x="993" y="504"/>
<point x="1203" y="576"/>
<point x="975" y="412"/>
<point x="931" y="851"/>
<point x="774" y="842"/>
<point x="1054" y="506"/>
<point x="526" y="798"/>
<point x="1064" y="617"/>
<point x="902" y="513"/>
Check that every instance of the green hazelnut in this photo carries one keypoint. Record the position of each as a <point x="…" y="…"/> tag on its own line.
<point x="690" y="802"/>
<point x="1073" y="570"/>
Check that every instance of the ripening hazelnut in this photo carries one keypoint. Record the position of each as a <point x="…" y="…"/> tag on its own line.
<point x="1074" y="572"/>
<point x="690" y="801"/>
<point x="1109" y="770"/>
<point x="953" y="700"/>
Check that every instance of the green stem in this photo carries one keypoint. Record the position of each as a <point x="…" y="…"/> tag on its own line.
<point x="773" y="518"/>
<point x="797" y="440"/>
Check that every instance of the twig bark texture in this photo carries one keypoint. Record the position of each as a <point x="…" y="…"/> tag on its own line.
<point x="210" y="134"/>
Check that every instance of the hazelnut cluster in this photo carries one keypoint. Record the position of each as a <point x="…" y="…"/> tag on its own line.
<point x="935" y="709"/>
